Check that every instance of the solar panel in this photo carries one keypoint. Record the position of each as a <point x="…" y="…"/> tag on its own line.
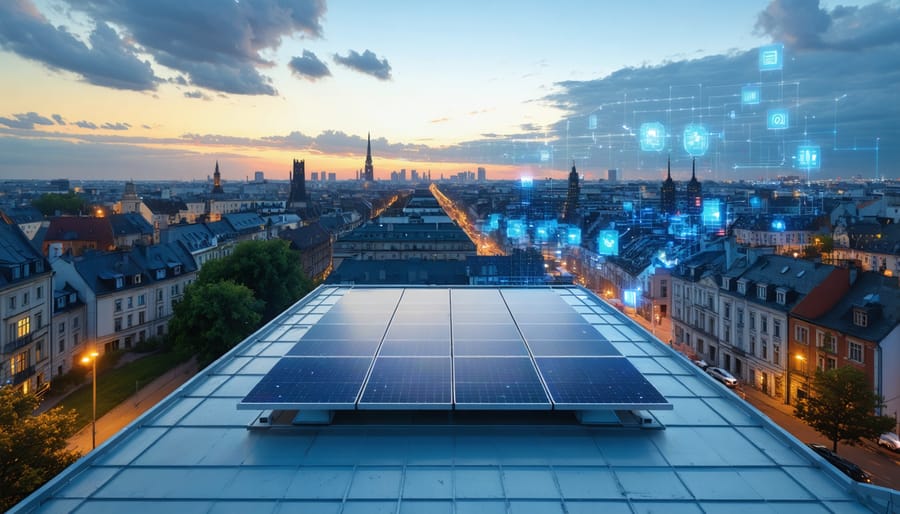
<point x="317" y="382"/>
<point x="498" y="382"/>
<point x="489" y="347"/>
<point x="510" y="349"/>
<point x="397" y="382"/>
<point x="597" y="383"/>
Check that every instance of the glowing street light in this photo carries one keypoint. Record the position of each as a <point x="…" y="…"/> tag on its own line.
<point x="91" y="359"/>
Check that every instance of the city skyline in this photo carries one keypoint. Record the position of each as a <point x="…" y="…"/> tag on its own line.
<point x="116" y="90"/>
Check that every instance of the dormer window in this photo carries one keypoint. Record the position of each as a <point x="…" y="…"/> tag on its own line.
<point x="120" y="282"/>
<point x="726" y="282"/>
<point x="781" y="297"/>
<point x="742" y="286"/>
<point x="761" y="291"/>
<point x="160" y="274"/>
<point x="137" y="279"/>
<point x="178" y="270"/>
<point x="860" y="318"/>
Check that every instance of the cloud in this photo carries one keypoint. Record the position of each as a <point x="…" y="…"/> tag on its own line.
<point x="440" y="120"/>
<point x="108" y="61"/>
<point x="25" y="120"/>
<point x="196" y="94"/>
<point x="217" y="45"/>
<point x="59" y="119"/>
<point x="86" y="125"/>
<point x="309" y="66"/>
<point x="115" y="126"/>
<point x="367" y="63"/>
<point x="804" y="25"/>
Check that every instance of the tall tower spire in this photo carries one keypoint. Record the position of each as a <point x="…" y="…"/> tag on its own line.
<point x="667" y="201"/>
<point x="369" y="174"/>
<point x="669" y="167"/>
<point x="217" y="181"/>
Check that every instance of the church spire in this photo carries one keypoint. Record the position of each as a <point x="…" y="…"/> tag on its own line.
<point x="694" y="168"/>
<point x="369" y="174"/>
<point x="217" y="181"/>
<point x="669" y="167"/>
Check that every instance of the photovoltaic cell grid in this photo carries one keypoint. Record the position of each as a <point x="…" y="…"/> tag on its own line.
<point x="439" y="348"/>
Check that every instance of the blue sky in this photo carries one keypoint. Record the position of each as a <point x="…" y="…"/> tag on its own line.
<point x="163" y="89"/>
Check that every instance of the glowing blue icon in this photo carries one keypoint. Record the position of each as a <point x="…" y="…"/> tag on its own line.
<point x="526" y="182"/>
<point x="778" y="225"/>
<point x="712" y="213"/>
<point x="515" y="229"/>
<point x="544" y="230"/>
<point x="778" y="119"/>
<point x="493" y="222"/>
<point x="628" y="206"/>
<point x="750" y="95"/>
<point x="755" y="202"/>
<point x="771" y="57"/>
<point x="696" y="140"/>
<point x="573" y="236"/>
<point x="592" y="122"/>
<point x="653" y="137"/>
<point x="808" y="157"/>
<point x="608" y="242"/>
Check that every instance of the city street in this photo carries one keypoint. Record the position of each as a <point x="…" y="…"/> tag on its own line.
<point x="883" y="465"/>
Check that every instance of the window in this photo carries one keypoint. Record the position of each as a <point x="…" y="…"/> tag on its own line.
<point x="18" y="363"/>
<point x="75" y="322"/>
<point x="118" y="305"/>
<point x="137" y="278"/>
<point x="726" y="310"/>
<point x="39" y="292"/>
<point x="801" y="334"/>
<point x="830" y="363"/>
<point x="140" y="300"/>
<point x="752" y="320"/>
<point x="62" y="327"/>
<point x="74" y="339"/>
<point x="776" y="328"/>
<point x="38" y="351"/>
<point x="781" y="297"/>
<point x="764" y="347"/>
<point x="663" y="288"/>
<point x="25" y="298"/>
<point x="130" y="302"/>
<point x="142" y="317"/>
<point x="120" y="281"/>
<point x="62" y="345"/>
<point x="23" y="327"/>
<point x="761" y="291"/>
<point x="727" y="333"/>
<point x="856" y="352"/>
<point x="826" y="341"/>
<point x="763" y="324"/>
<point x="118" y="324"/>
<point x="776" y="353"/>
<point x="753" y="345"/>
<point x="860" y="318"/>
<point x="12" y="302"/>
<point x="742" y="287"/>
<point x="130" y="320"/>
<point x="159" y="295"/>
<point x="740" y="316"/>
<point x="38" y="320"/>
<point x="60" y="302"/>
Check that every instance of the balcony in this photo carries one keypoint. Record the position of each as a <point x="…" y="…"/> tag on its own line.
<point x="22" y="376"/>
<point x="23" y="341"/>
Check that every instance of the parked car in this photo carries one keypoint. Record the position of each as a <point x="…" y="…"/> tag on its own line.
<point x="701" y="363"/>
<point x="722" y="376"/>
<point x="848" y="468"/>
<point x="890" y="441"/>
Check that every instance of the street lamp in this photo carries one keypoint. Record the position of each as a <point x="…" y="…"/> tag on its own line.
<point x="91" y="359"/>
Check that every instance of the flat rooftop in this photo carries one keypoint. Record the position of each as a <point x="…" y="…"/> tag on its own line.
<point x="197" y="452"/>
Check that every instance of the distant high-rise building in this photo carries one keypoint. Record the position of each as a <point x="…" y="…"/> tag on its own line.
<point x="332" y="176"/>
<point x="314" y="176"/>
<point x="217" y="181"/>
<point x="298" y="184"/>
<point x="322" y="175"/>
<point x="482" y="174"/>
<point x="259" y="177"/>
<point x="667" y="192"/>
<point x="612" y="175"/>
<point x="403" y="175"/>
<point x="694" y="192"/>
<point x="414" y="175"/>
<point x="369" y="175"/>
<point x="570" y="212"/>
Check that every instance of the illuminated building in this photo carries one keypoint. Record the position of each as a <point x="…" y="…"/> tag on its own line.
<point x="694" y="192"/>
<point x="297" y="196"/>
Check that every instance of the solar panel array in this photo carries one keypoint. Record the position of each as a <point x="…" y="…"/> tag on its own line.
<point x="455" y="348"/>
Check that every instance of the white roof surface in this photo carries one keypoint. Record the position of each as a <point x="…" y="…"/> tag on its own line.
<point x="193" y="453"/>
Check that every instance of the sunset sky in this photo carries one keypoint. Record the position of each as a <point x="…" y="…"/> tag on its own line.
<point x="162" y="89"/>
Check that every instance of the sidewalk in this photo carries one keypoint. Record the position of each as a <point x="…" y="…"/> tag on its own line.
<point x="127" y="411"/>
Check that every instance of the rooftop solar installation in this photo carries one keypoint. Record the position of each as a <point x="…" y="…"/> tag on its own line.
<point x="455" y="348"/>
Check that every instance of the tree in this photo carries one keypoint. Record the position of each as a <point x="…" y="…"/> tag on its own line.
<point x="212" y="318"/>
<point x="33" y="448"/>
<point x="842" y="407"/>
<point x="269" y="268"/>
<point x="52" y="203"/>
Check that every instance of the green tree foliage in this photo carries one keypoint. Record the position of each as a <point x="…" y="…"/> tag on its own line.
<point x="842" y="407"/>
<point x="212" y="318"/>
<point x="33" y="449"/>
<point x="70" y="203"/>
<point x="269" y="268"/>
